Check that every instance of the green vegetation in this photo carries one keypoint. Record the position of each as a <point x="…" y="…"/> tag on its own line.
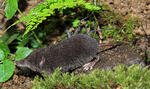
<point x="48" y="8"/>
<point x="111" y="24"/>
<point x="7" y="66"/>
<point x="146" y="57"/>
<point x="14" y="53"/>
<point x="133" y="77"/>
<point x="119" y="28"/>
<point x="11" y="8"/>
<point x="52" y="14"/>
<point x="33" y="19"/>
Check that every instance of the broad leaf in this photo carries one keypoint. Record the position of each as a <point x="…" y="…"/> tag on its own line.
<point x="23" y="42"/>
<point x="76" y="23"/>
<point x="2" y="54"/>
<point x="22" y="52"/>
<point x="11" y="8"/>
<point x="9" y="37"/>
<point x="5" y="49"/>
<point x="7" y="68"/>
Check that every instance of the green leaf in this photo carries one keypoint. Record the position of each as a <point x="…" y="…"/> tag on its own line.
<point x="5" y="49"/>
<point x="22" y="52"/>
<point x="23" y="42"/>
<point x="76" y="23"/>
<point x="11" y="38"/>
<point x="7" y="68"/>
<point x="34" y="44"/>
<point x="2" y="54"/>
<point x="11" y="8"/>
<point x="8" y="37"/>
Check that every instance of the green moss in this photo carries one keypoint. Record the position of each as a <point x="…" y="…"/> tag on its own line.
<point x="133" y="77"/>
<point x="119" y="28"/>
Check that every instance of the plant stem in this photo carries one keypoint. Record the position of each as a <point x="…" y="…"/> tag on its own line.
<point x="20" y="12"/>
<point x="15" y="22"/>
<point x="3" y="4"/>
<point x="37" y="39"/>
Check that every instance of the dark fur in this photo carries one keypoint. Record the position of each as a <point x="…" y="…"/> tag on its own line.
<point x="68" y="54"/>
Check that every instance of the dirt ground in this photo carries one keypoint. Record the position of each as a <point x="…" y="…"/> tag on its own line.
<point x="136" y="8"/>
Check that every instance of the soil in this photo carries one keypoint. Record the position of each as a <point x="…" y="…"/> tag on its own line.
<point x="135" y="8"/>
<point x="109" y="57"/>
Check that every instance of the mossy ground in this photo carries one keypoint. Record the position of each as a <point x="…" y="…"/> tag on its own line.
<point x="124" y="77"/>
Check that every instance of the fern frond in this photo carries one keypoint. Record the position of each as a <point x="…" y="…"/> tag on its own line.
<point x="42" y="11"/>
